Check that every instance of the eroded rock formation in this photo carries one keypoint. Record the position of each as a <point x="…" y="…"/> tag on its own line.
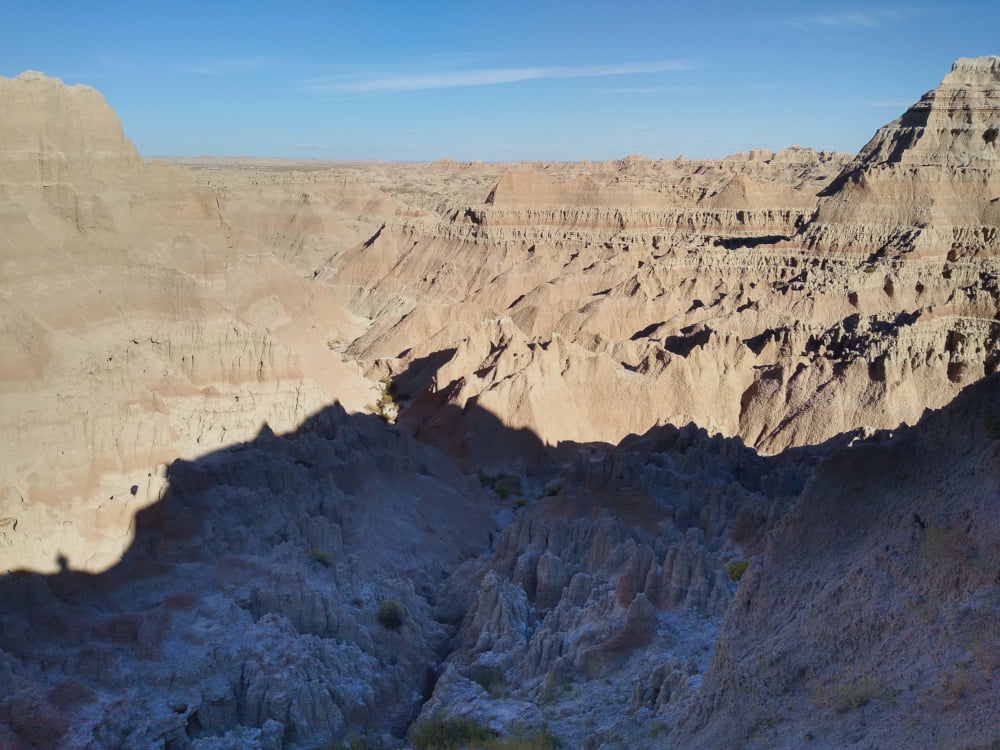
<point x="824" y="303"/>
<point x="583" y="362"/>
<point x="138" y="326"/>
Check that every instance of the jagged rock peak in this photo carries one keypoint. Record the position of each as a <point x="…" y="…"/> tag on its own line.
<point x="974" y="71"/>
<point x="953" y="124"/>
<point x="926" y="182"/>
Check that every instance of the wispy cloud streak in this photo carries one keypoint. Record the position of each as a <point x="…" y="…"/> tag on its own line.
<point x="871" y="18"/>
<point x="396" y="83"/>
<point x="234" y="66"/>
<point x="690" y="89"/>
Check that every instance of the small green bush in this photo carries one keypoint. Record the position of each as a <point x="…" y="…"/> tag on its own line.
<point x="850" y="691"/>
<point x="323" y="557"/>
<point x="542" y="740"/>
<point x="490" y="680"/>
<point x="391" y="614"/>
<point x="442" y="734"/>
<point x="991" y="423"/>
<point x="520" y="502"/>
<point x="736" y="570"/>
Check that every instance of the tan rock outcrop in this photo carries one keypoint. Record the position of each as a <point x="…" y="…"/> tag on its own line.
<point x="137" y="328"/>
<point x="927" y="184"/>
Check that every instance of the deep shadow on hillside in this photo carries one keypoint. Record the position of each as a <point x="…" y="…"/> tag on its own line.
<point x="872" y="615"/>
<point x="249" y="600"/>
<point x="250" y="594"/>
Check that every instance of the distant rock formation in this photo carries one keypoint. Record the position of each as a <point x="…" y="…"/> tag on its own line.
<point x="928" y="184"/>
<point x="762" y="296"/>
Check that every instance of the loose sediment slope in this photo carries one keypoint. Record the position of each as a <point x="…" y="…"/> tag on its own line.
<point x="872" y="615"/>
<point x="138" y="326"/>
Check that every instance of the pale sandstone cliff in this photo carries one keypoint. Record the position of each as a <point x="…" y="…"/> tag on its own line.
<point x="138" y="327"/>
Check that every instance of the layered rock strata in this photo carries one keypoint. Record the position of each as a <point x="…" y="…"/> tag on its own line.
<point x="138" y="326"/>
<point x="589" y="307"/>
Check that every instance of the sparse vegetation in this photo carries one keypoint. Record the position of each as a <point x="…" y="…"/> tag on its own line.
<point x="444" y="734"/>
<point x="520" y="502"/>
<point x="505" y="486"/>
<point x="441" y="734"/>
<point x="854" y="689"/>
<point x="385" y="408"/>
<point x="991" y="423"/>
<point x="391" y="614"/>
<point x="736" y="570"/>
<point x="323" y="557"/>
<point x="490" y="680"/>
<point x="952" y="546"/>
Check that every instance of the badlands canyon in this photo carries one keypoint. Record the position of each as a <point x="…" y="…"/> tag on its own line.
<point x="631" y="454"/>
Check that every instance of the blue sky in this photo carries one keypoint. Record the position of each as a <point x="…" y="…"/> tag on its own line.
<point x="499" y="80"/>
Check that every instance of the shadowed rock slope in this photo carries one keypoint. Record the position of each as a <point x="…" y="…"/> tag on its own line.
<point x="249" y="610"/>
<point x="868" y="614"/>
<point x="872" y="615"/>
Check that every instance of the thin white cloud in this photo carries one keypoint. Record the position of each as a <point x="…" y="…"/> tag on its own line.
<point x="689" y="89"/>
<point x="395" y="83"/>
<point x="887" y="103"/>
<point x="658" y="90"/>
<point x="233" y="66"/>
<point x="870" y="18"/>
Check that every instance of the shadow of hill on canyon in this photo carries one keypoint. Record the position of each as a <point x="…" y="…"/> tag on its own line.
<point x="250" y="598"/>
<point x="250" y="595"/>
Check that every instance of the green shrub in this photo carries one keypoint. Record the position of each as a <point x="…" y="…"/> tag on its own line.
<point x="489" y="679"/>
<point x="736" y="570"/>
<point x="991" y="423"/>
<point x="442" y="734"/>
<point x="541" y="740"/>
<point x="520" y="502"/>
<point x="391" y="614"/>
<point x="323" y="557"/>
<point x="445" y="734"/>
<point x="849" y="692"/>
